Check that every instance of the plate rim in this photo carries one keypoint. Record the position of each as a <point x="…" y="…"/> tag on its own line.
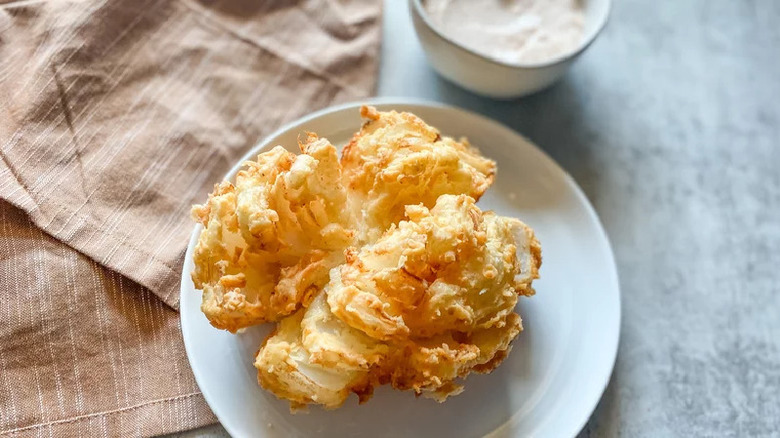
<point x="591" y="402"/>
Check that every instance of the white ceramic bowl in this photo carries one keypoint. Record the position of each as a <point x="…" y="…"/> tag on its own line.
<point x="495" y="78"/>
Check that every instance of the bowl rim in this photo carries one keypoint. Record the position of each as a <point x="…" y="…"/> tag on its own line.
<point x="418" y="9"/>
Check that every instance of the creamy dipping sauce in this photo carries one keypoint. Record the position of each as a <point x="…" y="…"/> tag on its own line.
<point x="513" y="31"/>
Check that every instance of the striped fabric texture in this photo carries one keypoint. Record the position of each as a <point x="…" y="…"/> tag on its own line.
<point x="115" y="116"/>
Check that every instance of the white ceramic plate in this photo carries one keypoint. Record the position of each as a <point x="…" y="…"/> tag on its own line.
<point x="559" y="365"/>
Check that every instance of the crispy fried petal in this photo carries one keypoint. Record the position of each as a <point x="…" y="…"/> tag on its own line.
<point x="293" y="203"/>
<point x="315" y="358"/>
<point x="269" y="242"/>
<point x="332" y="343"/>
<point x="285" y="368"/>
<point x="396" y="160"/>
<point x="449" y="268"/>
<point x="432" y="366"/>
<point x="236" y="285"/>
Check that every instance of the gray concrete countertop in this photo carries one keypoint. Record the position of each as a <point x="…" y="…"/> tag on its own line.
<point x="670" y="122"/>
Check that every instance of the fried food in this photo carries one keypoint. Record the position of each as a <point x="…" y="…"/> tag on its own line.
<point x="432" y="366"/>
<point x="379" y="266"/>
<point x="294" y="203"/>
<point x="315" y="358"/>
<point x="291" y="371"/>
<point x="431" y="301"/>
<point x="396" y="160"/>
<point x="269" y="240"/>
<point x="448" y="268"/>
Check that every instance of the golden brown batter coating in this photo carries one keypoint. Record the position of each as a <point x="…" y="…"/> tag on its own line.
<point x="379" y="267"/>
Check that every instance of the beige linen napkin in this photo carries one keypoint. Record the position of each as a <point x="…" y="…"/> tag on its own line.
<point x="115" y="116"/>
